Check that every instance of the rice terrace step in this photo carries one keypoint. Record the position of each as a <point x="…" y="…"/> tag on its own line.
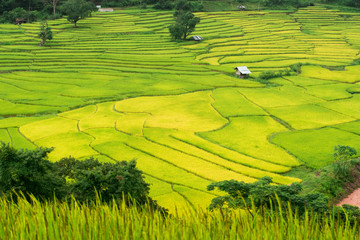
<point x="117" y="88"/>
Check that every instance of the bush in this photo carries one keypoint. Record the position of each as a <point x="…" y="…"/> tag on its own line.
<point x="111" y="180"/>
<point x="10" y="17"/>
<point x="296" y="68"/>
<point x="29" y="172"/>
<point x="266" y="75"/>
<point x="341" y="164"/>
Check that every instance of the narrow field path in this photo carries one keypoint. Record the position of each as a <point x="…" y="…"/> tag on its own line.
<point x="352" y="199"/>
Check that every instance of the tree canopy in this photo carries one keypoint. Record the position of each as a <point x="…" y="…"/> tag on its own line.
<point x="77" y="9"/>
<point x="29" y="172"/>
<point x="185" y="21"/>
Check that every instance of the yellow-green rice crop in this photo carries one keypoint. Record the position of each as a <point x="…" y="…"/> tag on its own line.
<point x="58" y="220"/>
<point x="122" y="89"/>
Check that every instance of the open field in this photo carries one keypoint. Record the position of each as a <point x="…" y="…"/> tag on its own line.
<point x="118" y="88"/>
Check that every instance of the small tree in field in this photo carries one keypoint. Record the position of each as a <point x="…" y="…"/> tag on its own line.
<point x="45" y="33"/>
<point x="185" y="21"/>
<point x="77" y="9"/>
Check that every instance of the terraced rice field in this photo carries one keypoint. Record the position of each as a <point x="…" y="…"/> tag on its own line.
<point x="117" y="88"/>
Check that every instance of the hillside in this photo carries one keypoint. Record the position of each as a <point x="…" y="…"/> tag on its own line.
<point x="118" y="88"/>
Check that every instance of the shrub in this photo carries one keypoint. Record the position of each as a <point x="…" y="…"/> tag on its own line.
<point x="29" y="172"/>
<point x="341" y="165"/>
<point x="111" y="180"/>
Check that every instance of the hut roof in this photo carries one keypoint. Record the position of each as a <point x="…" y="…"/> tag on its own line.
<point x="243" y="70"/>
<point x="105" y="10"/>
<point x="197" y="38"/>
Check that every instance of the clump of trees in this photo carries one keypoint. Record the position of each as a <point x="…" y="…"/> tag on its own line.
<point x="30" y="10"/>
<point x="29" y="172"/>
<point x="34" y="10"/>
<point x="185" y="21"/>
<point x="263" y="194"/>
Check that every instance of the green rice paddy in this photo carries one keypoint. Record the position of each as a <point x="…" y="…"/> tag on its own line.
<point x="117" y="88"/>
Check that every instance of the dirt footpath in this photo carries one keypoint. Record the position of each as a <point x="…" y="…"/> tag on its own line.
<point x="352" y="199"/>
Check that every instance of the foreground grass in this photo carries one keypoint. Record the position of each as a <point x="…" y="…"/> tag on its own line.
<point x="56" y="220"/>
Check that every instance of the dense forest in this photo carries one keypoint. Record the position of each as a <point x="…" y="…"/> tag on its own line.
<point x="37" y="10"/>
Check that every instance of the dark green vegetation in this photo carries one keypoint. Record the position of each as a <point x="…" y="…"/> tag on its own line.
<point x="28" y="172"/>
<point x="185" y="21"/>
<point x="77" y="9"/>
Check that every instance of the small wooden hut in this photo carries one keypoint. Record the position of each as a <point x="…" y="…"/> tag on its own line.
<point x="241" y="7"/>
<point x="242" y="71"/>
<point x="105" y="9"/>
<point x="19" y="21"/>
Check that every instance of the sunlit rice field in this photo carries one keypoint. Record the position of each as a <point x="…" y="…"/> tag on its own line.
<point x="117" y="88"/>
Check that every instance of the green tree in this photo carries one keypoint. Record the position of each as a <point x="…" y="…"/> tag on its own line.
<point x="29" y="172"/>
<point x="111" y="181"/>
<point x="45" y="33"/>
<point x="77" y="9"/>
<point x="185" y="21"/>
